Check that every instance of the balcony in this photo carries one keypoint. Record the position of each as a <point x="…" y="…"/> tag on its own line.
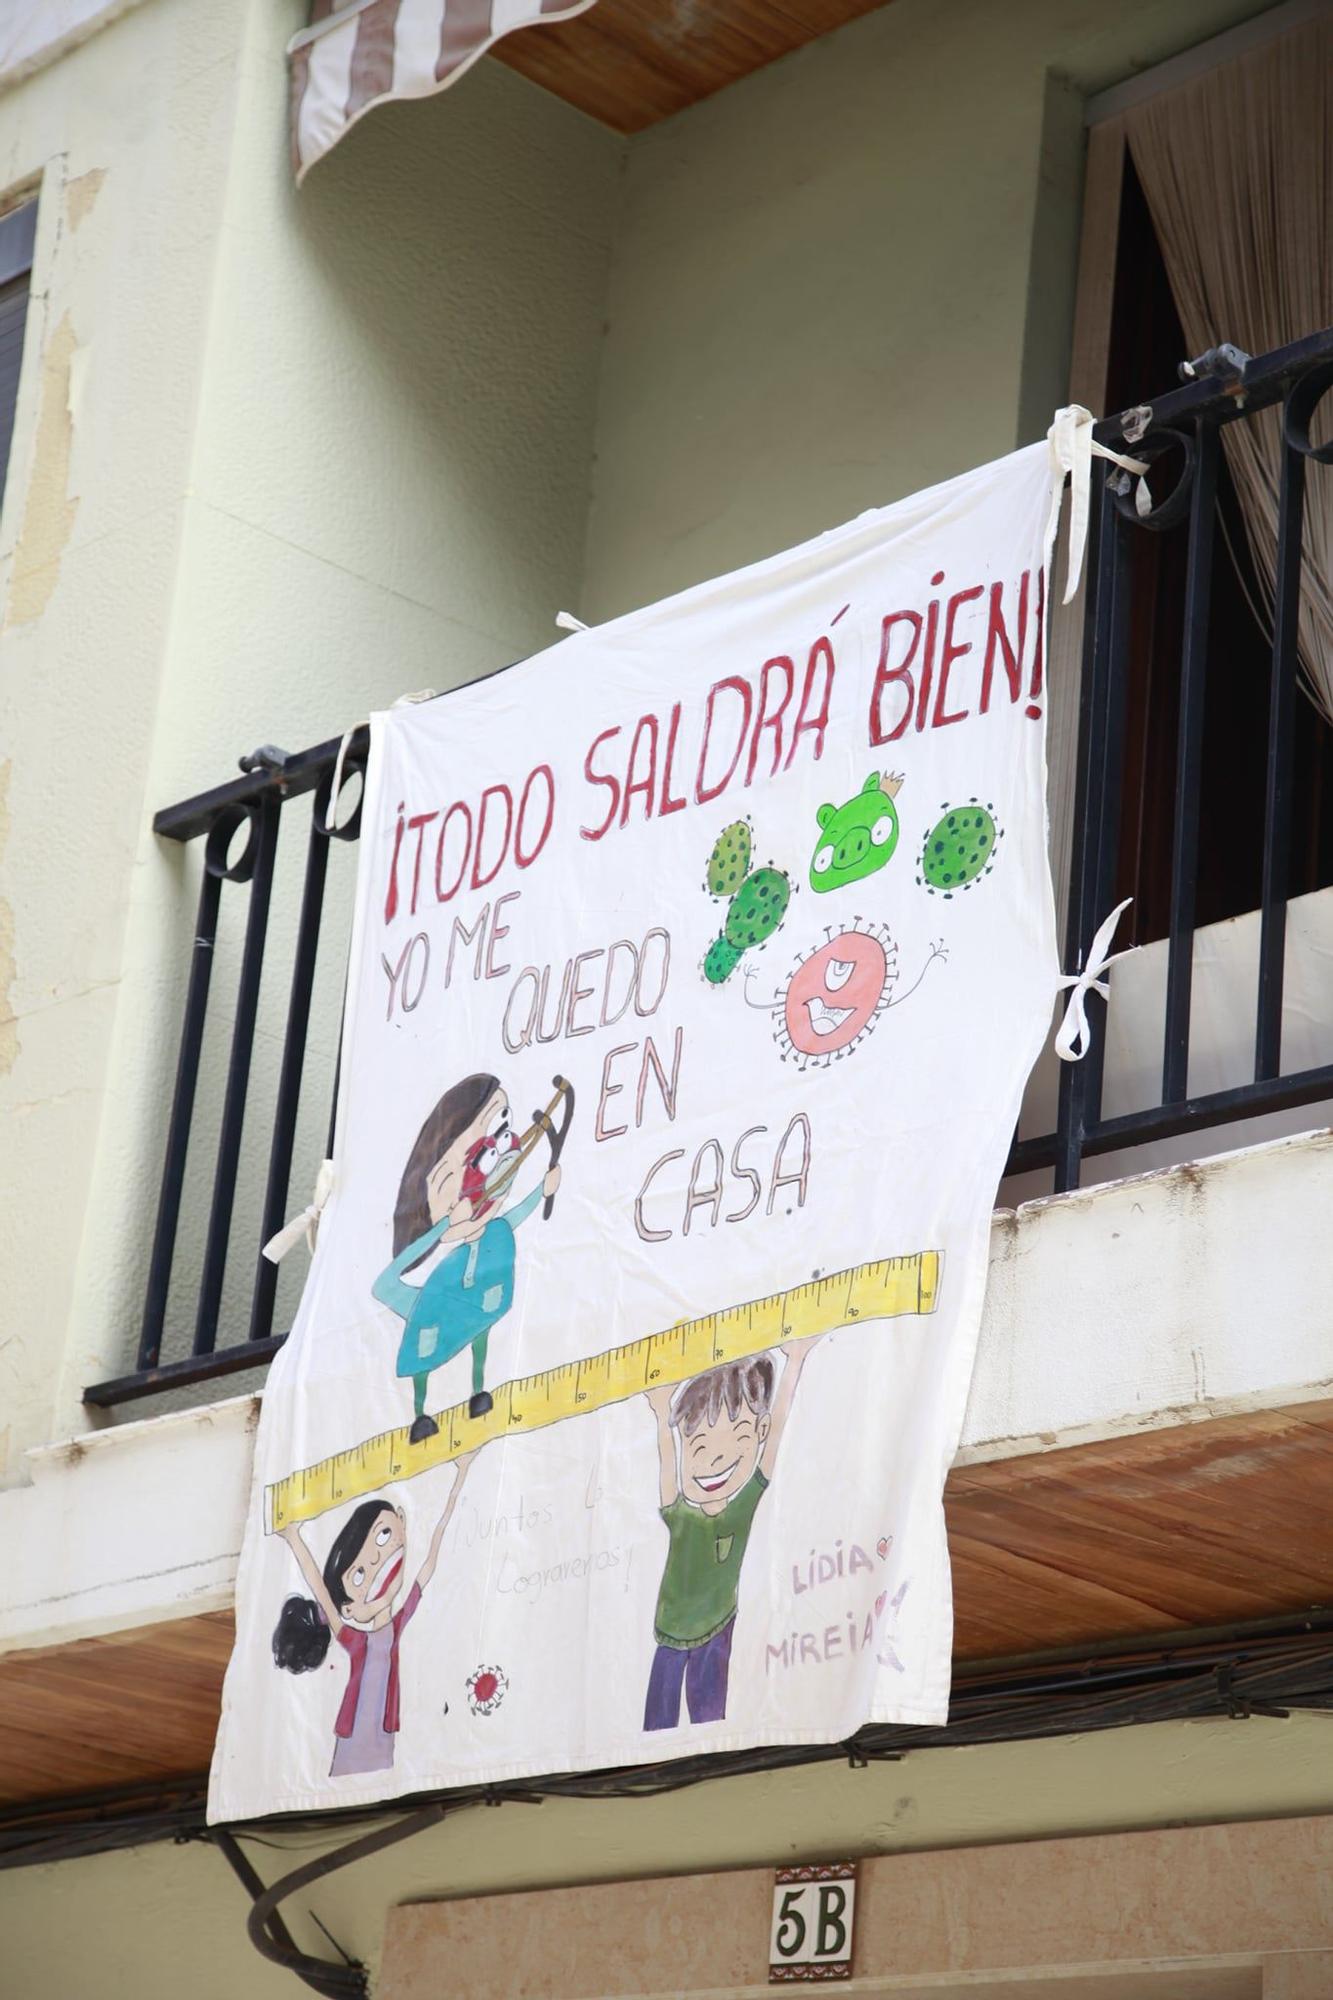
<point x="1149" y="1427"/>
<point x="211" y="1311"/>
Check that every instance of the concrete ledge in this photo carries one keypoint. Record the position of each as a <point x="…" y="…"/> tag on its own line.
<point x="1183" y="1295"/>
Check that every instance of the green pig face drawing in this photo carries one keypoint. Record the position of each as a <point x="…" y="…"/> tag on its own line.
<point x="858" y="838"/>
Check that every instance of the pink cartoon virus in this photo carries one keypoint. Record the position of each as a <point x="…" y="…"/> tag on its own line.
<point x="486" y="1689"/>
<point x="836" y="992"/>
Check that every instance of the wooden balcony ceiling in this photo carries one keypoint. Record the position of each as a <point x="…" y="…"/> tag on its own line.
<point x="630" y="63"/>
<point x="1204" y="1524"/>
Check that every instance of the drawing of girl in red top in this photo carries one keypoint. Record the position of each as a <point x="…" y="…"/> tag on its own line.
<point x="352" y="1601"/>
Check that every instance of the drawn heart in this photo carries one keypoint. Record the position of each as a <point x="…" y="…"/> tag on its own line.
<point x="883" y="1545"/>
<point x="881" y="1601"/>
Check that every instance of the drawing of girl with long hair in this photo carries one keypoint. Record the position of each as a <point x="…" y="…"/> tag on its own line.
<point x="458" y="1178"/>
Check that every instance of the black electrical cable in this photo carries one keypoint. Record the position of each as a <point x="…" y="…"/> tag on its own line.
<point x="1266" y="1669"/>
<point x="269" y="1934"/>
<point x="1269" y="1665"/>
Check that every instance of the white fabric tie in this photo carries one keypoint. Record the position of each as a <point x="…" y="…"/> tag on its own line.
<point x="1074" y="1038"/>
<point x="402" y="701"/>
<point x="1073" y="448"/>
<point x="569" y="623"/>
<point x="306" y="1223"/>
<point x="338" y="762"/>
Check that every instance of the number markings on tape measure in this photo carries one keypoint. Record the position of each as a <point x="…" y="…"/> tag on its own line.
<point x="885" y="1289"/>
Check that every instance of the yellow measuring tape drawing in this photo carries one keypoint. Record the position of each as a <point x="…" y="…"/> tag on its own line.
<point x="885" y="1289"/>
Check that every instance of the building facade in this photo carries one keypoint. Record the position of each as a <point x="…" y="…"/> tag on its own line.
<point x="278" y="456"/>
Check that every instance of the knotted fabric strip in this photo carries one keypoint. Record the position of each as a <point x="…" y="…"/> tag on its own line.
<point x="1074" y="1038"/>
<point x="306" y="1223"/>
<point x="402" y="701"/>
<point x="1073" y="448"/>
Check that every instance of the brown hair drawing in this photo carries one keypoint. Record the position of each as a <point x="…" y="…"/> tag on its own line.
<point x="740" y="1382"/>
<point x="451" y="1117"/>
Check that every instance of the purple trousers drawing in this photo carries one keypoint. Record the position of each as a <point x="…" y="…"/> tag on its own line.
<point x="701" y="1670"/>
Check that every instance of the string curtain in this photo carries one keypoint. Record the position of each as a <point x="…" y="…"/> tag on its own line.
<point x="1237" y="169"/>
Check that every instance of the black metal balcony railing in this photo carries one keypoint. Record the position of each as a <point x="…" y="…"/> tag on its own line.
<point x="1188" y="421"/>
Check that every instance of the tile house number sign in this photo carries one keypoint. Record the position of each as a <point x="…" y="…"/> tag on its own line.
<point x="697" y="967"/>
<point x="814" y="1911"/>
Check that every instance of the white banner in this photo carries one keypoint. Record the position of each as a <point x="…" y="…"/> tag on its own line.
<point x="697" y="968"/>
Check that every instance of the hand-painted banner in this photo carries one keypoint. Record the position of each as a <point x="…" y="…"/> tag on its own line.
<point x="697" y="968"/>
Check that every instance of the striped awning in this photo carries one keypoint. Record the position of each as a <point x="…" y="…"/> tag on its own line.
<point x="368" y="52"/>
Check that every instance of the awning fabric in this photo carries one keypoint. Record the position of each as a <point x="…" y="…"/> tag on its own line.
<point x="368" y="52"/>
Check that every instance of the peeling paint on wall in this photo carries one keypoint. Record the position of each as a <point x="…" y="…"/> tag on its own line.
<point x="81" y="194"/>
<point x="48" y="517"/>
<point x="9" y="1025"/>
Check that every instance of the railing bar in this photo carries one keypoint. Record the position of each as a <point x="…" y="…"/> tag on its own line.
<point x="1168" y="1121"/>
<point x="238" y="1077"/>
<point x="1243" y="1100"/>
<point x="1112" y="790"/>
<point x="1068" y="1123"/>
<point x="1264" y="380"/>
<point x="301" y="772"/>
<point x="337" y="1079"/>
<point x="289" y="1076"/>
<point x="1098" y="818"/>
<point x="183" y="1374"/>
<point x="1281" y="759"/>
<point x="182" y="1115"/>
<point x="1189" y="767"/>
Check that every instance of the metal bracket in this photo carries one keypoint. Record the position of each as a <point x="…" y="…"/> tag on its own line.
<point x="269" y="1934"/>
<point x="268" y="757"/>
<point x="1221" y="360"/>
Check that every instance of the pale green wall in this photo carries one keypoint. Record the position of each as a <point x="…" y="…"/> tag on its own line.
<point x="163" y="1922"/>
<point x="849" y="276"/>
<point x="388" y="492"/>
<point x="128" y="139"/>
<point x="326" y="447"/>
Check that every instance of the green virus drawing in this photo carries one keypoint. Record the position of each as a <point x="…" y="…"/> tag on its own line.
<point x="756" y="898"/>
<point x="959" y="849"/>
<point x="857" y="838"/>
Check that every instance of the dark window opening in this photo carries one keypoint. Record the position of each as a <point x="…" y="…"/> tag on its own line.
<point x="17" y="231"/>
<point x="1146" y="347"/>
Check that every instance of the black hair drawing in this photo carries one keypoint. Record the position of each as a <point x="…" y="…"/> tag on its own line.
<point x="301" y="1635"/>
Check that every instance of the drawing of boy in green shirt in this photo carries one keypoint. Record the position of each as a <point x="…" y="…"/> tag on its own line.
<point x="717" y="1441"/>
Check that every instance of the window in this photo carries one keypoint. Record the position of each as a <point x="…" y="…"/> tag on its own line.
<point x="17" y="231"/>
<point x="1145" y="347"/>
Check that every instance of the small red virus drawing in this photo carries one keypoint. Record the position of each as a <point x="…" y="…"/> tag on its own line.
<point x="486" y="1689"/>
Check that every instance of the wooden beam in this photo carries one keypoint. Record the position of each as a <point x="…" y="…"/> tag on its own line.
<point x="1199" y="1525"/>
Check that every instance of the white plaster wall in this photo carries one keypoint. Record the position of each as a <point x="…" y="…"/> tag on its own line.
<point x="1185" y="1294"/>
<point x="159" y="1921"/>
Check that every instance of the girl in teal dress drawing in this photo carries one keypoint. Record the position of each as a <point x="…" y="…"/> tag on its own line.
<point x="457" y="1180"/>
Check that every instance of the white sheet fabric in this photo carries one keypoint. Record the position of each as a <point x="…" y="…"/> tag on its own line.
<point x="35" y="32"/>
<point x="796" y="962"/>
